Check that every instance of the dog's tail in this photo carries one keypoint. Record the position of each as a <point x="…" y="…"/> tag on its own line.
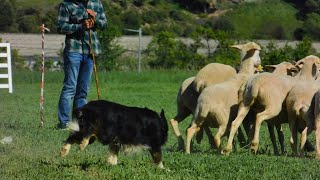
<point x="74" y="126"/>
<point x="164" y="127"/>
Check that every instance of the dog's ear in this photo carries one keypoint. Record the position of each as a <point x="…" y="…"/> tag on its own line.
<point x="162" y="114"/>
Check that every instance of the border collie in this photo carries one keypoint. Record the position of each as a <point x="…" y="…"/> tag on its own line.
<point x="120" y="127"/>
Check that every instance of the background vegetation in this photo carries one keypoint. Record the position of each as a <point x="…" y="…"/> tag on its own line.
<point x="34" y="151"/>
<point x="260" y="19"/>
<point x="228" y="22"/>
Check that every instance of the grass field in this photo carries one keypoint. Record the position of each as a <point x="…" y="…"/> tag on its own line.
<point x="34" y="152"/>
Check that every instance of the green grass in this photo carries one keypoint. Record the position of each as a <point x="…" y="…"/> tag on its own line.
<point x="34" y="152"/>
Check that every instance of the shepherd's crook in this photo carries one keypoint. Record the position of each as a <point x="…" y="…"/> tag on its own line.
<point x="94" y="64"/>
<point x="43" y="29"/>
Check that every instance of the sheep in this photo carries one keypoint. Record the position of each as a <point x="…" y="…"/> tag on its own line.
<point x="217" y="103"/>
<point x="266" y="93"/>
<point x="212" y="73"/>
<point x="284" y="68"/>
<point x="188" y="94"/>
<point x="299" y="108"/>
<point x="317" y="122"/>
<point x="301" y="111"/>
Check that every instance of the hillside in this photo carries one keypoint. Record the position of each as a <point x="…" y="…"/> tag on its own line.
<point x="244" y="19"/>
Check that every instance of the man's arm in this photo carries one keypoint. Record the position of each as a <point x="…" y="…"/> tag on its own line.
<point x="64" y="25"/>
<point x="101" y="19"/>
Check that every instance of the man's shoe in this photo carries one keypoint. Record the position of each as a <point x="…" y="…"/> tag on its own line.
<point x="60" y="126"/>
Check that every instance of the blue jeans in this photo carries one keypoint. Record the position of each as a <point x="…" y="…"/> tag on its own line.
<point x="76" y="84"/>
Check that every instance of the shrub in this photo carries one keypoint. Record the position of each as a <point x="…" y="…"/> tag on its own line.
<point x="111" y="51"/>
<point x="132" y="19"/>
<point x="272" y="54"/>
<point x="165" y="51"/>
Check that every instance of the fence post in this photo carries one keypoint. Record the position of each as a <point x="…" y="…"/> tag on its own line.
<point x="6" y="65"/>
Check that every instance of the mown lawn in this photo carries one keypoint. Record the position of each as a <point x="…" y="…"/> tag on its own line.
<point x="34" y="151"/>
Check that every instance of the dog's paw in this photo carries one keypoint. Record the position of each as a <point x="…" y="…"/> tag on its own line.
<point x="65" y="150"/>
<point x="113" y="160"/>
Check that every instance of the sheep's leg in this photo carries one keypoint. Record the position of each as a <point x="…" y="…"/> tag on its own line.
<point x="303" y="141"/>
<point x="222" y="117"/>
<point x="281" y="138"/>
<point x="191" y="131"/>
<point x="268" y="113"/>
<point x="199" y="135"/>
<point x="273" y="138"/>
<point x="293" y="137"/>
<point x="209" y="135"/>
<point x="242" y="112"/>
<point x="113" y="153"/>
<point x="241" y="138"/>
<point x="174" y="124"/>
<point x="317" y="133"/>
<point x="220" y="133"/>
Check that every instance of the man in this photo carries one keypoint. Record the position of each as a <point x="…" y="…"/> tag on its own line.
<point x="76" y="18"/>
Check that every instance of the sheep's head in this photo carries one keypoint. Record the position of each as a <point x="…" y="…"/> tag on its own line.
<point x="308" y="63"/>
<point x="248" y="50"/>
<point x="284" y="68"/>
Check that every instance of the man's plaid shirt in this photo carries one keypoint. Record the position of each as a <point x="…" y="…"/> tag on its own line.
<point x="71" y="15"/>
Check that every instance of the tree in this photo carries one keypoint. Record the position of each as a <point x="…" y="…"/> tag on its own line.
<point x="166" y="51"/>
<point x="7" y="15"/>
<point x="312" y="26"/>
<point x="111" y="51"/>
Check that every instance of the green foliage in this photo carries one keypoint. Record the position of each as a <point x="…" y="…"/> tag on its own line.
<point x="131" y="19"/>
<point x="269" y="19"/>
<point x="275" y="55"/>
<point x="111" y="51"/>
<point x="48" y="64"/>
<point x="165" y="51"/>
<point x="138" y="2"/>
<point x="7" y="15"/>
<point x="312" y="26"/>
<point x="18" y="62"/>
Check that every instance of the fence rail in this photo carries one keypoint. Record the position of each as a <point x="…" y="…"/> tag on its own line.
<point x="7" y="66"/>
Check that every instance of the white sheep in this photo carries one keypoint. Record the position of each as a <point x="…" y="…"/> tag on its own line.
<point x="217" y="103"/>
<point x="212" y="73"/>
<point x="284" y="68"/>
<point x="187" y="96"/>
<point x="317" y="122"/>
<point x="267" y="92"/>
<point x="300" y="111"/>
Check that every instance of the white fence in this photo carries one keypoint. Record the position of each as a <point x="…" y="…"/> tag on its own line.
<point x="7" y="66"/>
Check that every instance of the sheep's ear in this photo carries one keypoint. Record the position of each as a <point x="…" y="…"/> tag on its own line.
<point x="252" y="46"/>
<point x="315" y="69"/>
<point x="270" y="68"/>
<point x="300" y="63"/>
<point x="237" y="46"/>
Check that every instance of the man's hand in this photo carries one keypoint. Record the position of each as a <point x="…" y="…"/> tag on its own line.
<point x="88" y="24"/>
<point x="92" y="13"/>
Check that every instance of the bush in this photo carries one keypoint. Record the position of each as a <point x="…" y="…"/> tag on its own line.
<point x="132" y="19"/>
<point x="111" y="51"/>
<point x="275" y="55"/>
<point x="165" y="51"/>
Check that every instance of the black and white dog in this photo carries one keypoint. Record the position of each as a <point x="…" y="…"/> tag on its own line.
<point x="118" y="126"/>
